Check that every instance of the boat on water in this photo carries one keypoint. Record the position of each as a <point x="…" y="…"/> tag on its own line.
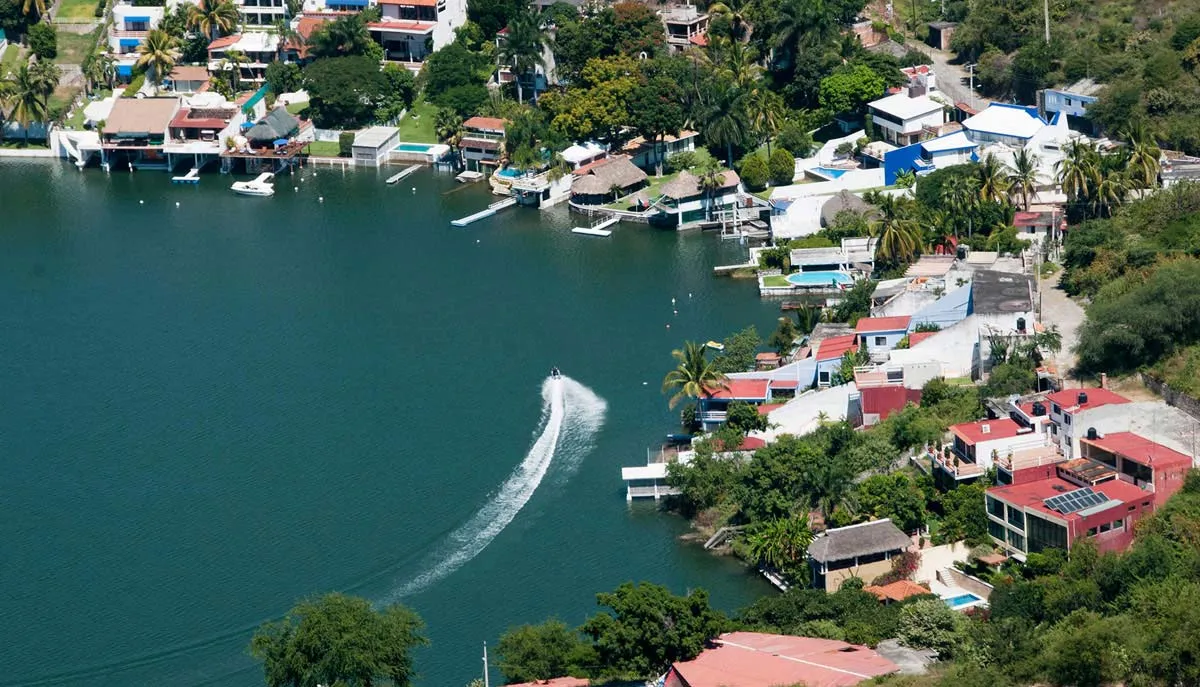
<point x="555" y="374"/>
<point x="715" y="345"/>
<point x="260" y="186"/>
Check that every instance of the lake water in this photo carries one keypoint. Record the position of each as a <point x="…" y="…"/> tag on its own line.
<point x="214" y="409"/>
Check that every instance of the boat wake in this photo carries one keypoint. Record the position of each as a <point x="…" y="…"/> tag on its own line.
<point x="571" y="415"/>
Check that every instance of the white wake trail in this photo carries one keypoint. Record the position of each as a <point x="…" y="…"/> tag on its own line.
<point x="571" y="416"/>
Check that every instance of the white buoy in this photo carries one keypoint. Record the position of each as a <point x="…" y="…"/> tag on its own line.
<point x="672" y="301"/>
<point x="668" y="326"/>
<point x="675" y="311"/>
<point x="414" y="189"/>
<point x="141" y="202"/>
<point x="176" y="203"/>
<point x="476" y="240"/>
<point x="295" y="188"/>
<point x="689" y="294"/>
<point x="645" y="383"/>
<point x="321" y="199"/>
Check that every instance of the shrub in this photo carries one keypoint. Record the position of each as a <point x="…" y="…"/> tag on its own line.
<point x="794" y="137"/>
<point x="43" y="40"/>
<point x="346" y="144"/>
<point x="930" y="624"/>
<point x="135" y="85"/>
<point x="100" y="8"/>
<point x="782" y="166"/>
<point x="755" y="173"/>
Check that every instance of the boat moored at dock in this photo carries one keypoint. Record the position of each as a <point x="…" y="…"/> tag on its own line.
<point x="260" y="186"/>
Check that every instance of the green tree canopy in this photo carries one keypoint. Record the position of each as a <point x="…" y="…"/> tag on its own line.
<point x="849" y="88"/>
<point x="541" y="652"/>
<point x="344" y="91"/>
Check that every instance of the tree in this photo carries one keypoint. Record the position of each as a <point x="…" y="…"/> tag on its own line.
<point x="522" y="48"/>
<point x="630" y="28"/>
<point x="993" y="182"/>
<point x="710" y="180"/>
<point x="157" y="56"/>
<point x="493" y="15"/>
<point x="795" y="138"/>
<point x="283" y="77"/>
<point x="343" y="91"/>
<point x="782" y="167"/>
<point x="346" y="36"/>
<point x="529" y="653"/>
<point x="338" y="639"/>
<point x="95" y="68"/>
<point x="43" y="40"/>
<point x="894" y="496"/>
<point x="780" y="544"/>
<point x="744" y="418"/>
<point x="646" y="629"/>
<point x="448" y="126"/>
<point x="740" y="349"/>
<point x="784" y="336"/>
<point x="754" y="172"/>
<point x="897" y="232"/>
<point x="850" y="87"/>
<point x="656" y="112"/>
<point x="45" y="75"/>
<point x="1078" y="171"/>
<point x="36" y="8"/>
<point x="399" y="89"/>
<point x="213" y="19"/>
<point x="1144" y="156"/>
<point x="724" y="121"/>
<point x="1023" y="175"/>
<point x="930" y="624"/>
<point x="231" y="65"/>
<point x="286" y="37"/>
<point x="694" y="376"/>
<point x="26" y="99"/>
<point x="451" y="67"/>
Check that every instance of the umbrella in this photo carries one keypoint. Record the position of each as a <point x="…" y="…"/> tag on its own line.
<point x="281" y="142"/>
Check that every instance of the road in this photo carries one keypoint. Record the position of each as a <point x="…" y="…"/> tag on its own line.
<point x="1059" y="310"/>
<point x="952" y="79"/>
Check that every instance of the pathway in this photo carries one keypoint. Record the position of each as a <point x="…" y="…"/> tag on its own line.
<point x="952" y="79"/>
<point x="1060" y="310"/>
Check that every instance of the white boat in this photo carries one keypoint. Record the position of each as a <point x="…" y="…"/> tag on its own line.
<point x="261" y="186"/>
<point x="715" y="345"/>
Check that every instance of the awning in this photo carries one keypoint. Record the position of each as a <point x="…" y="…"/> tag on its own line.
<point x="346" y="3"/>
<point x="124" y="70"/>
<point x="130" y="42"/>
<point x="281" y="142"/>
<point x="143" y="20"/>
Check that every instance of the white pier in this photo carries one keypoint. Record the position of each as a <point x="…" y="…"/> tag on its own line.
<point x="491" y="210"/>
<point x="192" y="177"/>
<point x="402" y="173"/>
<point x="598" y="229"/>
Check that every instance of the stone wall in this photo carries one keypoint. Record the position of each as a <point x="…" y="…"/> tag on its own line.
<point x="1180" y="400"/>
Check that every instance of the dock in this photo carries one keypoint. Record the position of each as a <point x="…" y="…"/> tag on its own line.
<point x="402" y="173"/>
<point x="491" y="210"/>
<point x="469" y="176"/>
<point x="720" y="270"/>
<point x="192" y="177"/>
<point x="598" y="229"/>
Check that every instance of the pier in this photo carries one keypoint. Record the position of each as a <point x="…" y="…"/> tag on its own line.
<point x="192" y="177"/>
<point x="491" y="210"/>
<point x="402" y="174"/>
<point x="598" y="229"/>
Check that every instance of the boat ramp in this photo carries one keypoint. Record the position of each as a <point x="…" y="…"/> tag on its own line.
<point x="192" y="177"/>
<point x="598" y="229"/>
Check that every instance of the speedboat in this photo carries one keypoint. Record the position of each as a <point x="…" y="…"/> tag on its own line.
<point x="715" y="345"/>
<point x="554" y="373"/>
<point x="261" y="186"/>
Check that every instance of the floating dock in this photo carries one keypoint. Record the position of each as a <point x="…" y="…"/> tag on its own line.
<point x="469" y="176"/>
<point x="598" y="229"/>
<point x="192" y="177"/>
<point x="402" y="173"/>
<point x="491" y="210"/>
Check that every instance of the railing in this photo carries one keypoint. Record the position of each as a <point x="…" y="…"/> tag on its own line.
<point x="653" y="492"/>
<point x="963" y="470"/>
<point x="128" y="33"/>
<point x="713" y="416"/>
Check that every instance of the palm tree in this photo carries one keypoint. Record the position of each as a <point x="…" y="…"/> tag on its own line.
<point x="1078" y="171"/>
<point x="779" y="544"/>
<point x="724" y="118"/>
<point x="45" y="76"/>
<point x="26" y="99"/>
<point x="157" y="55"/>
<point x="993" y="183"/>
<point x="735" y="10"/>
<point x="448" y="126"/>
<point x="960" y="196"/>
<point x="93" y="71"/>
<point x="1023" y="175"/>
<point x="36" y="7"/>
<point x="800" y="26"/>
<point x="694" y="376"/>
<point x="523" y="48"/>
<point x="213" y="18"/>
<point x="234" y="59"/>
<point x="897" y="232"/>
<point x="1144" y="155"/>
<point x="710" y="181"/>
<point x="1111" y="191"/>
<point x="287" y="36"/>
<point x="767" y="114"/>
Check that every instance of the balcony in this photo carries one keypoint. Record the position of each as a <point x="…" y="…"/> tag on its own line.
<point x="957" y="467"/>
<point x="1030" y="458"/>
<point x="128" y="33"/>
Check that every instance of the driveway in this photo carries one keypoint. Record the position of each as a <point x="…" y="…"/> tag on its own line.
<point x="1058" y="309"/>
<point x="952" y="79"/>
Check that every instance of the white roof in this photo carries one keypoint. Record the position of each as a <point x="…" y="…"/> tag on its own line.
<point x="578" y="153"/>
<point x="255" y="41"/>
<point x="99" y="110"/>
<point x="375" y="136"/>
<point x="903" y="107"/>
<point x="955" y="141"/>
<point x="1005" y="120"/>
<point x="651" y="471"/>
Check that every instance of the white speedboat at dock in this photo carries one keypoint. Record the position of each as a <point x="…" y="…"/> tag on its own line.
<point x="261" y="186"/>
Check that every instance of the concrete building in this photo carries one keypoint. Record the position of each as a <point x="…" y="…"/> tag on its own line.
<point x="410" y="30"/>
<point x="482" y="143"/>
<point x="261" y="13"/>
<point x="904" y="120"/>
<point x="686" y="26"/>
<point x="878" y="335"/>
<point x="1066" y="405"/>
<point x="136" y="131"/>
<point x="258" y="48"/>
<point x="372" y="145"/>
<point x="864" y="551"/>
<point x="1072" y="100"/>
<point x="647" y="154"/>
<point x="977" y="447"/>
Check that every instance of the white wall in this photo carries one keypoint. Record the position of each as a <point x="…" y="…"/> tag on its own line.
<point x="890" y="339"/>
<point x="1002" y="447"/>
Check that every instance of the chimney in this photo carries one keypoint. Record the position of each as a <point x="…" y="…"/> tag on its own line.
<point x="1103" y="380"/>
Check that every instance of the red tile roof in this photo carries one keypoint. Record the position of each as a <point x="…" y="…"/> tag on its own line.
<point x="700" y="39"/>
<point x="988" y="430"/>
<point x="182" y="121"/>
<point x="766" y="408"/>
<point x="753" y="659"/>
<point x="897" y="591"/>
<point x="1028" y="219"/>
<point x="485" y="123"/>
<point x="917" y="337"/>
<point x="748" y="444"/>
<point x="224" y="42"/>
<point x="742" y="389"/>
<point x="1033" y="494"/>
<point x="785" y="383"/>
<point x="556" y="682"/>
<point x="882" y="324"/>
<point x="834" y="347"/>
<point x="1068" y="399"/>
<point x="404" y="26"/>
<point x="1141" y="450"/>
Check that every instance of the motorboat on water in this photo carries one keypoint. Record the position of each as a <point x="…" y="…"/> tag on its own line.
<point x="555" y="374"/>
<point x="715" y="345"/>
<point x="260" y="186"/>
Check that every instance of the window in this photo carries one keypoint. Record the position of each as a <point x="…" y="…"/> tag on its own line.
<point x="823" y="377"/>
<point x="1132" y="508"/>
<point x="1118" y="524"/>
<point x="1066" y="419"/>
<point x="1106" y="527"/>
<point x="1044" y="534"/>
<point x="881" y="341"/>
<point x="1055" y="408"/>
<point x="1017" y="541"/>
<point x="1091" y="532"/>
<point x="1016" y="518"/>
<point x="996" y="530"/>
<point x="995" y="507"/>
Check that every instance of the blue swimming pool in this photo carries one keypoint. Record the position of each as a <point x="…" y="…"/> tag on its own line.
<point x="510" y="173"/>
<point x="957" y="602"/>
<point x="828" y="172"/>
<point x="822" y="278"/>
<point x="415" y="147"/>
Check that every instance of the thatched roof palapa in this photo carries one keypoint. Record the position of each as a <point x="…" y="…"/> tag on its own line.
<point x="687" y="185"/>
<point x="841" y="201"/>
<point x="615" y="172"/>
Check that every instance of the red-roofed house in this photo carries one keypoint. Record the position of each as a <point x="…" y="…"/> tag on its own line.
<point x="754" y="659"/>
<point x="917" y="337"/>
<point x="1065" y="404"/>
<point x="410" y="30"/>
<point x="881" y="334"/>
<point x="829" y="356"/>
<point x="1140" y="461"/>
<point x="713" y="408"/>
<point x="978" y="445"/>
<point x="482" y="144"/>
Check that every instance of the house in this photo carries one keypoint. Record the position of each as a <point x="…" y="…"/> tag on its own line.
<point x="647" y="154"/>
<point x="940" y="33"/>
<point x="682" y="25"/>
<point x="136" y="131"/>
<point x="755" y="659"/>
<point x="371" y="145"/>
<point x="261" y="13"/>
<point x="864" y="551"/>
<point x="1140" y="461"/>
<point x="410" y="30"/>
<point x="1065" y="405"/>
<point x="978" y="445"/>
<point x="579" y="154"/>
<point x="1084" y="499"/>
<point x="829" y="358"/>
<point x="255" y="49"/>
<point x="922" y="79"/>
<point x="650" y="480"/>
<point x="897" y="591"/>
<point x="854" y="253"/>
<point x="188" y="79"/>
<point x="482" y="143"/>
<point x="594" y="183"/>
<point x="904" y="120"/>
<point x="1072" y="100"/>
<point x="881" y="334"/>
<point x="201" y="130"/>
<point x="886" y="388"/>
<point x="1013" y="125"/>
<point x="130" y="25"/>
<point x="684" y="202"/>
<point x="712" y="408"/>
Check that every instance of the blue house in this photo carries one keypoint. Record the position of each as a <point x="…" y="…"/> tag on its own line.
<point x="1072" y="100"/>
<point x="829" y="356"/>
<point x="881" y="334"/>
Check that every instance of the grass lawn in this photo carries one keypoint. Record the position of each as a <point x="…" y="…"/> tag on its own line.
<point x="323" y="148"/>
<point x="9" y="58"/>
<point x="75" y="121"/>
<point x="296" y="108"/>
<point x="72" y="48"/>
<point x="76" y="11"/>
<point x="417" y="125"/>
<point x="777" y="281"/>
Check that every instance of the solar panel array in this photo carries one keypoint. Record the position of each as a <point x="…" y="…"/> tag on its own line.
<point x="1074" y="501"/>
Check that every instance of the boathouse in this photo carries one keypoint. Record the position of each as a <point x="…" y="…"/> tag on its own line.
<point x="135" y="132"/>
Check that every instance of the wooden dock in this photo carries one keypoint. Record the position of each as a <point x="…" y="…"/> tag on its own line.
<point x="402" y="174"/>
<point x="720" y="270"/>
<point x="488" y="212"/>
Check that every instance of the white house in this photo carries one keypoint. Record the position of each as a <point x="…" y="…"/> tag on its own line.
<point x="1072" y="100"/>
<point x="977" y="445"/>
<point x="262" y="13"/>
<point x="372" y="145"/>
<point x="901" y="119"/>
<point x="259" y="49"/>
<point x="1066" y="406"/>
<point x="1002" y="123"/>
<point x="881" y="334"/>
<point x="409" y="30"/>
<point x="128" y="29"/>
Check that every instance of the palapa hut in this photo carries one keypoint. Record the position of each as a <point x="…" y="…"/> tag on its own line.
<point x="596" y="182"/>
<point x="844" y="201"/>
<point x="686" y="186"/>
<point x="278" y="124"/>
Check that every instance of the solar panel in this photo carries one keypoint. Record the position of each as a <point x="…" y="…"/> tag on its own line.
<point x="1074" y="501"/>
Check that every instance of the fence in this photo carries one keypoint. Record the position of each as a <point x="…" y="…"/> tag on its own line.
<point x="325" y="134"/>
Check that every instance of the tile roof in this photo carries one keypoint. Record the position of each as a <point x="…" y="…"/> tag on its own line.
<point x="917" y="337"/>
<point x="754" y="659"/>
<point x="1141" y="450"/>
<point x="403" y="26"/>
<point x="988" y="430"/>
<point x="742" y="389"/>
<point x="189" y="73"/>
<point x="141" y="115"/>
<point x="1068" y="399"/>
<point x="863" y="539"/>
<point x="882" y="324"/>
<point x="1032" y="495"/>
<point x="897" y="591"/>
<point x="224" y="42"/>
<point x="485" y="124"/>
<point x="835" y="347"/>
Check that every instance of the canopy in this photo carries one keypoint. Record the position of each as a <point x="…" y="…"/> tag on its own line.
<point x="281" y="141"/>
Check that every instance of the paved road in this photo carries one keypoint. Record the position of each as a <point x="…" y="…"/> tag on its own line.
<point x="1058" y="309"/>
<point x="952" y="79"/>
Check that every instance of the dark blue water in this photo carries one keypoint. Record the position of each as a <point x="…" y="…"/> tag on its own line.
<point x="213" y="410"/>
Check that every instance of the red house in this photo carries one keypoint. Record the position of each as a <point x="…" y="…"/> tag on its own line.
<point x="1140" y="461"/>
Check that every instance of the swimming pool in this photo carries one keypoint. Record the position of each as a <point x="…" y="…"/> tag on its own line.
<point x="415" y="147"/>
<point x="822" y="278"/>
<point x="510" y="173"/>
<point x="962" y="601"/>
<point x="828" y="172"/>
